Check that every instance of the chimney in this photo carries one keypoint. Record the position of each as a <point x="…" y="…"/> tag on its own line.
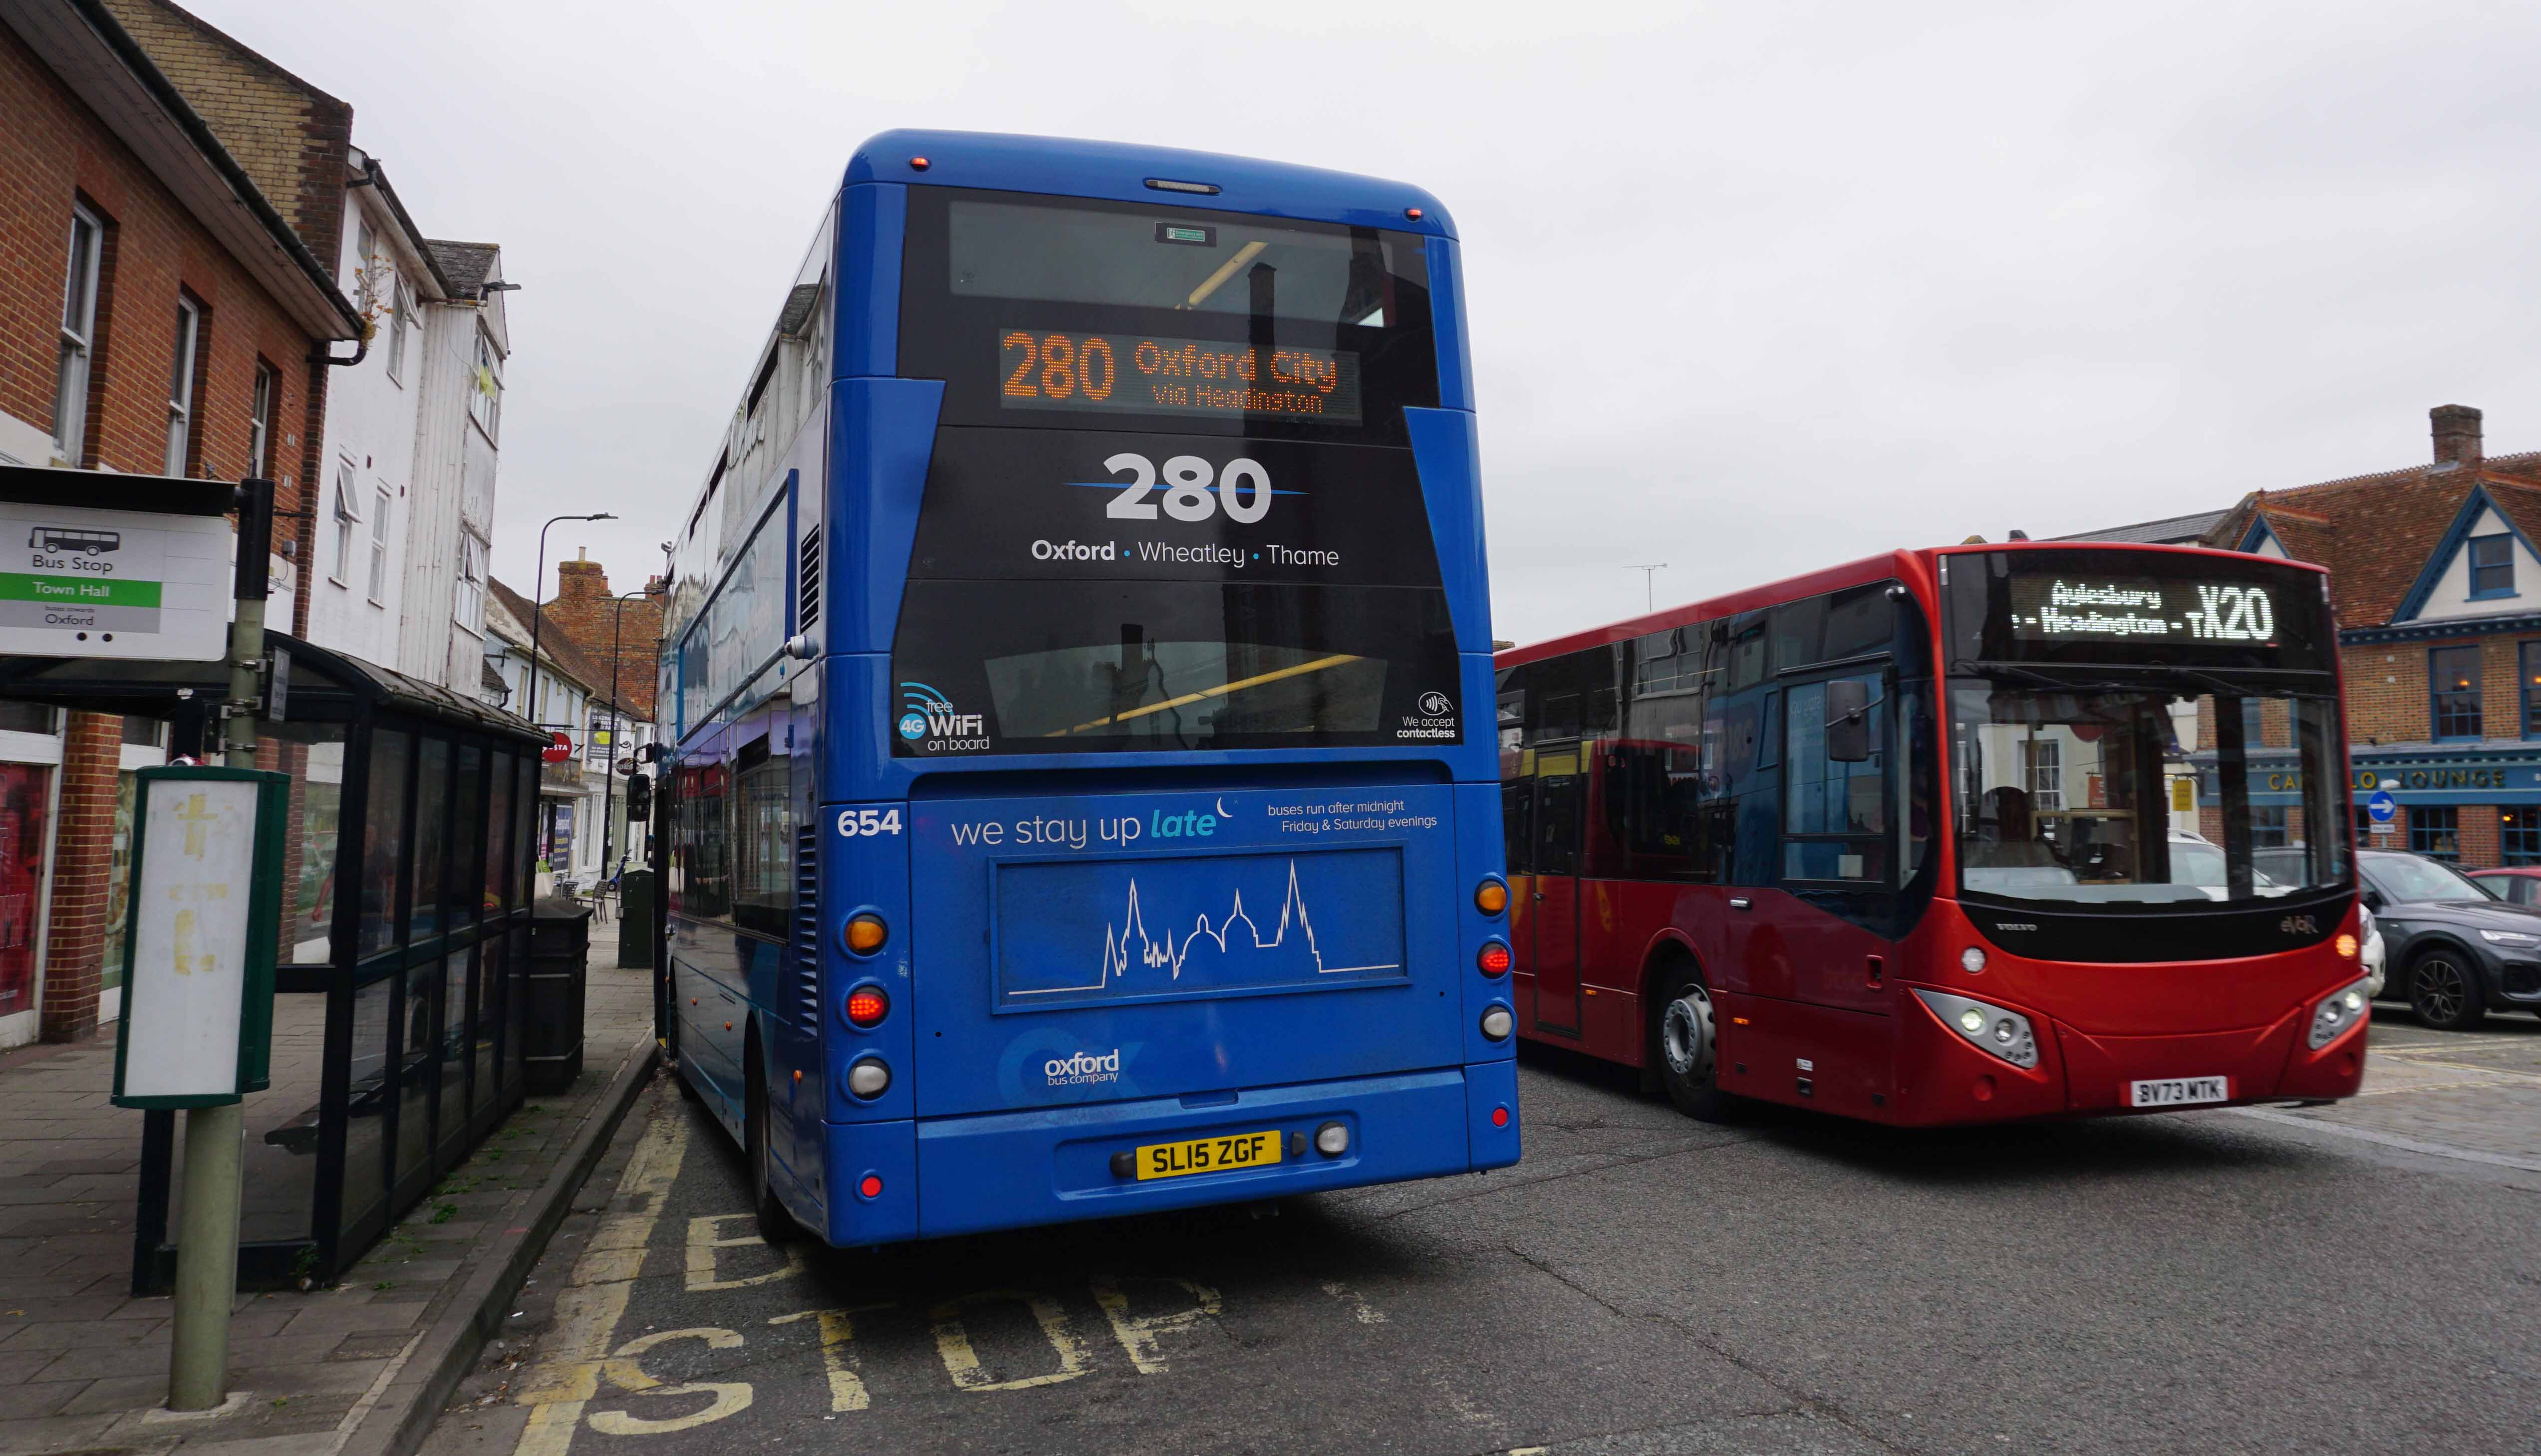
<point x="2456" y="434"/>
<point x="581" y="579"/>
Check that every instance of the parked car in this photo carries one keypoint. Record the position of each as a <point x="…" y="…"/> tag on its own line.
<point x="2458" y="949"/>
<point x="2374" y="955"/>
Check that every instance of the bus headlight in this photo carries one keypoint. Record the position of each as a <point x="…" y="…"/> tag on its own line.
<point x="869" y="1078"/>
<point x="2341" y="1013"/>
<point x="1993" y="1029"/>
<point x="1498" y="1023"/>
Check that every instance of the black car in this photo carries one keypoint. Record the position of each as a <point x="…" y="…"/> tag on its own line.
<point x="2456" y="950"/>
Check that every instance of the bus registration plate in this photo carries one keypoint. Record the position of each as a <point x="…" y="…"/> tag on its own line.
<point x="2179" y="1091"/>
<point x="1207" y="1154"/>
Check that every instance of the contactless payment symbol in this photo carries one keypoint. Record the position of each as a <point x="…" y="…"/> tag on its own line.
<point x="1436" y="704"/>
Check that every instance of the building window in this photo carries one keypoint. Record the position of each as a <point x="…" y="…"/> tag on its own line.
<point x="180" y="386"/>
<point x="467" y="605"/>
<point x="401" y="309"/>
<point x="366" y="244"/>
<point x="2452" y="685"/>
<point x="346" y="519"/>
<point x="2528" y="669"/>
<point x="260" y="422"/>
<point x="380" y="546"/>
<point x="79" y="335"/>
<point x="485" y="400"/>
<point x="2045" y="757"/>
<point x="2491" y="566"/>
<point x="2268" y="828"/>
<point x="2365" y="828"/>
<point x="2436" y="832"/>
<point x="2519" y="833"/>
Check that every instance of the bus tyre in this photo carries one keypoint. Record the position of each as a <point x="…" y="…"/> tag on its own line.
<point x="1683" y="1047"/>
<point x="2443" y="989"/>
<point x="776" y="1225"/>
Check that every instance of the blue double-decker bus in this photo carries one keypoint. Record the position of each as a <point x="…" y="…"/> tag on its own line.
<point x="1078" y="806"/>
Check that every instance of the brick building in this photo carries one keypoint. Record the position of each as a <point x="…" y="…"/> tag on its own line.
<point x="2438" y="582"/>
<point x="160" y="313"/>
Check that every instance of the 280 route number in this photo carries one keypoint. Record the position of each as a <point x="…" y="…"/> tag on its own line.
<point x="1243" y="488"/>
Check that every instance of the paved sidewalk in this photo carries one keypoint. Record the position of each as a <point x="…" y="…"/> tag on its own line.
<point x="83" y="1364"/>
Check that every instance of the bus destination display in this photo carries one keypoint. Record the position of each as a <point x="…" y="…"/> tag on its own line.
<point x="1137" y="374"/>
<point x="2102" y="608"/>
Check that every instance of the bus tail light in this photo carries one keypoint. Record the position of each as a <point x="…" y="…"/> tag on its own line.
<point x="863" y="934"/>
<point x="1494" y="958"/>
<point x="867" y="1006"/>
<point x="1990" y="1028"/>
<point x="1332" y="1139"/>
<point x="1498" y="1023"/>
<point x="869" y="1078"/>
<point x="1490" y="897"/>
<point x="2337" y="1015"/>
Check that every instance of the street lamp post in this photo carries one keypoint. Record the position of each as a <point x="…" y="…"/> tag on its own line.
<point x="538" y="619"/>
<point x="609" y="786"/>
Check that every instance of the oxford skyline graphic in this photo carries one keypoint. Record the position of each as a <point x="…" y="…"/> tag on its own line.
<point x="1129" y="946"/>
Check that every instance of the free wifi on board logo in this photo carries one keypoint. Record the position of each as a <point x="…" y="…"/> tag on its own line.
<point x="930" y="722"/>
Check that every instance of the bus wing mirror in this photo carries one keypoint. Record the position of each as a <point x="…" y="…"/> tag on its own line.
<point x="1848" y="729"/>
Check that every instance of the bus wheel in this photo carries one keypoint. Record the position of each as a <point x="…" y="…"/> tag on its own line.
<point x="1684" y="1050"/>
<point x="776" y="1225"/>
<point x="2443" y="989"/>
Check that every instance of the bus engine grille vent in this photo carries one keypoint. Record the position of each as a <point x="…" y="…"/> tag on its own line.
<point x="807" y="928"/>
<point x="808" y="594"/>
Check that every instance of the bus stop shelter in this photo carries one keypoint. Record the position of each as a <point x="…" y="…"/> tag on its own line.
<point x="398" y="1017"/>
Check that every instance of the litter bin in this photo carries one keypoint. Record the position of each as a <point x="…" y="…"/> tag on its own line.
<point x="559" y="952"/>
<point x="635" y="927"/>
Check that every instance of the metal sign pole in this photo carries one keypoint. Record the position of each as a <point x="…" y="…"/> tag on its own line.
<point x="198" y="1356"/>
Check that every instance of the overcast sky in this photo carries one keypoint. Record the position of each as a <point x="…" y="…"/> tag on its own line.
<point x="1754" y="288"/>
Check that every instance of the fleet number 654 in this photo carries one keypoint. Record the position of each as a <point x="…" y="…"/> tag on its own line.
<point x="854" y="822"/>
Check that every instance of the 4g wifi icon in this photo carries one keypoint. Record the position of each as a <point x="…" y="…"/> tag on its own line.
<point x="926" y="712"/>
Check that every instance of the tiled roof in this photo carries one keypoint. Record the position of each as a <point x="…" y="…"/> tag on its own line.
<point x="2376" y="532"/>
<point x="465" y="265"/>
<point x="2168" y="531"/>
<point x="553" y="644"/>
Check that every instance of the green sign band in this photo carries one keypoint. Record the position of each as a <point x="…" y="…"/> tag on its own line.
<point x="76" y="591"/>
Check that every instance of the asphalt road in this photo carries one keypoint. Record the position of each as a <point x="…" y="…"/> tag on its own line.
<point x="2200" y="1283"/>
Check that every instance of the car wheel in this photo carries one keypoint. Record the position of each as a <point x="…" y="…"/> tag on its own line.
<point x="1684" y="1047"/>
<point x="776" y="1225"/>
<point x="2443" y="989"/>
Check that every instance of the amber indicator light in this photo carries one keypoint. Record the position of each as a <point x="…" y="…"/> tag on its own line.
<point x="865" y="934"/>
<point x="1490" y="897"/>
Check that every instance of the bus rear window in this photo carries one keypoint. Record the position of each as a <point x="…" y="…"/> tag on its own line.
<point x="1225" y="263"/>
<point x="1066" y="667"/>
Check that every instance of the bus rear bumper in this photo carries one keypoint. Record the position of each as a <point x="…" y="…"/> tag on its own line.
<point x="1011" y="1170"/>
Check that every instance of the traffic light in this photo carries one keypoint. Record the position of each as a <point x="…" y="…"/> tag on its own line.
<point x="639" y="798"/>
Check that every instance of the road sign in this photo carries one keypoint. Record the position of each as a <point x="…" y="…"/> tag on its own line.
<point x="197" y="1022"/>
<point x="80" y="582"/>
<point x="559" y="748"/>
<point x="2381" y="806"/>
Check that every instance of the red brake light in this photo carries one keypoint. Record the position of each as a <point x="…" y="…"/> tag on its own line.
<point x="866" y="1005"/>
<point x="1494" y="959"/>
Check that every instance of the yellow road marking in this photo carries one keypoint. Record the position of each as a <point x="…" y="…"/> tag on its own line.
<point x="704" y="1240"/>
<point x="1140" y="1334"/>
<point x="731" y="1398"/>
<point x="837" y="1353"/>
<point x="595" y="1296"/>
<point x="1361" y="1310"/>
<point x="953" y="1341"/>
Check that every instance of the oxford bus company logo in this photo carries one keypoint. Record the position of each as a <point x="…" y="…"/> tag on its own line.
<point x="927" y="717"/>
<point x="1083" y="1069"/>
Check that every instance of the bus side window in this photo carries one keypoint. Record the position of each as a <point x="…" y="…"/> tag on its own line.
<point x="1835" y="806"/>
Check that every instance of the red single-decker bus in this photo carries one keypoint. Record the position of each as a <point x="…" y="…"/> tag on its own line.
<point x="1949" y="835"/>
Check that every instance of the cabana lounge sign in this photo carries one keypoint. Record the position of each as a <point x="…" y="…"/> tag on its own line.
<point x="80" y="582"/>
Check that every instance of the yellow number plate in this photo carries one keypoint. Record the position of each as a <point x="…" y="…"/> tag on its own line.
<point x="1207" y="1155"/>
